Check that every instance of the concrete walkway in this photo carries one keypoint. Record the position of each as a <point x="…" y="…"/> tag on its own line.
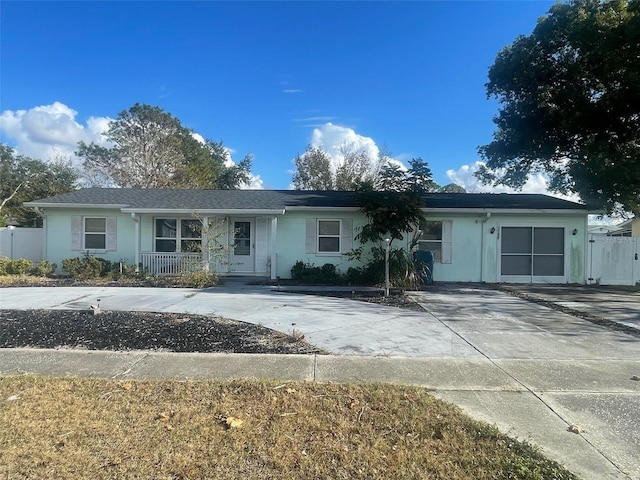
<point x="530" y="370"/>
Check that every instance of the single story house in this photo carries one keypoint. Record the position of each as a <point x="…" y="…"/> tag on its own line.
<point x="476" y="237"/>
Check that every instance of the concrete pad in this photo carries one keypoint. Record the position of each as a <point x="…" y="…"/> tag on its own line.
<point x="610" y="422"/>
<point x="431" y="373"/>
<point x="616" y="303"/>
<point x="61" y="363"/>
<point x="604" y="376"/>
<point x="523" y="416"/>
<point x="221" y="366"/>
<point x="503" y="326"/>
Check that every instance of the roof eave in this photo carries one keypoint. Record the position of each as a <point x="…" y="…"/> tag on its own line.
<point x="484" y="210"/>
<point x="205" y="211"/>
<point x="75" y="205"/>
<point x="306" y="209"/>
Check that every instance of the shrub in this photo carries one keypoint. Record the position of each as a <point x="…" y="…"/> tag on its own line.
<point x="20" y="266"/>
<point x="309" y="273"/>
<point x="4" y="262"/>
<point x="44" y="268"/>
<point x="199" y="279"/>
<point x="86" y="267"/>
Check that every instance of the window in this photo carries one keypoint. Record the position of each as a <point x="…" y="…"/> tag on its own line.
<point x="436" y="238"/>
<point x="537" y="251"/>
<point x="328" y="236"/>
<point x="242" y="238"/>
<point x="178" y="235"/>
<point x="95" y="233"/>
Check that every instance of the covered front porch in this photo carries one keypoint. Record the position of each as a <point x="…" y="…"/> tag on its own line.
<point x="171" y="243"/>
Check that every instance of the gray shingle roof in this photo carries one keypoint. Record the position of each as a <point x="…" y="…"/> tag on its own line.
<point x="281" y="199"/>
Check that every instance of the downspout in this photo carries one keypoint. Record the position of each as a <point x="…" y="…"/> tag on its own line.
<point x="136" y="219"/>
<point x="482" y="253"/>
<point x="40" y="213"/>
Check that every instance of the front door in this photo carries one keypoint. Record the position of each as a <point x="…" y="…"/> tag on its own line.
<point x="242" y="256"/>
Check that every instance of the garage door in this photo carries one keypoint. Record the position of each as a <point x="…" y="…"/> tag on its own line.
<point x="532" y="254"/>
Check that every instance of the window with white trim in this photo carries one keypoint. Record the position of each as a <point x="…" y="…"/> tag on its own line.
<point x="329" y="236"/>
<point x="182" y="235"/>
<point x="94" y="233"/>
<point x="436" y="237"/>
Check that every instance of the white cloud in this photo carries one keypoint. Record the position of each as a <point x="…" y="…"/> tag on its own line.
<point x="334" y="138"/>
<point x="536" y="183"/>
<point x="47" y="131"/>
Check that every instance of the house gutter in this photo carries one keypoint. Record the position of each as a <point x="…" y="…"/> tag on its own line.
<point x="202" y="211"/>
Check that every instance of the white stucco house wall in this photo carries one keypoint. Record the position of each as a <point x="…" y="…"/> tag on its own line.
<point x="475" y="237"/>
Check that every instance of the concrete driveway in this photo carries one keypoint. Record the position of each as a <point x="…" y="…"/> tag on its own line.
<point x="532" y="371"/>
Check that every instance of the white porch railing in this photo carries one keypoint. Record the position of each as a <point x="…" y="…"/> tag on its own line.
<point x="166" y="263"/>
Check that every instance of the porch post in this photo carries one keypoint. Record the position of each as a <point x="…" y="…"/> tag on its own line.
<point x="136" y="239"/>
<point x="274" y="250"/>
<point x="206" y="257"/>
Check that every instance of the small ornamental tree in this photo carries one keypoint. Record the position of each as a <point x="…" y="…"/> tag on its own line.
<point x="393" y="214"/>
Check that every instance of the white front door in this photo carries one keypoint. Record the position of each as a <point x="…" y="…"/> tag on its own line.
<point x="242" y="255"/>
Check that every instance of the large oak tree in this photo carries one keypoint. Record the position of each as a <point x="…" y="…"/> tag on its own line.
<point x="570" y="104"/>
<point x="23" y="179"/>
<point x="152" y="149"/>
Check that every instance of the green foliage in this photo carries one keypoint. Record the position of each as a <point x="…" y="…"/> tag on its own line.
<point x="23" y="266"/>
<point x="570" y="104"/>
<point x="198" y="279"/>
<point x="153" y="150"/>
<point x="44" y="268"/>
<point x="17" y="266"/>
<point x="313" y="170"/>
<point x="404" y="272"/>
<point x="85" y="267"/>
<point x="452" y="188"/>
<point x="308" y="273"/>
<point x="23" y="179"/>
<point x="392" y="214"/>
<point x="89" y="267"/>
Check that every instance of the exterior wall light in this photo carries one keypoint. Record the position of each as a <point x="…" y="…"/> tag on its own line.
<point x="493" y="230"/>
<point x="575" y="231"/>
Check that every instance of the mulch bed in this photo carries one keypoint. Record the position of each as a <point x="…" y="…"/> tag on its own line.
<point x="142" y="331"/>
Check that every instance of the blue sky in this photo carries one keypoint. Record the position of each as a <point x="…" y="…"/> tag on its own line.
<point x="265" y="78"/>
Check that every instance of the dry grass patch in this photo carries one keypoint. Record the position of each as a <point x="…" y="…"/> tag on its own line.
<point x="24" y="281"/>
<point x="89" y="428"/>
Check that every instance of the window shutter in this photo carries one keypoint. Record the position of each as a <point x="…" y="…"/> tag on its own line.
<point x="346" y="240"/>
<point x="311" y="243"/>
<point x="261" y="244"/>
<point x="112" y="234"/>
<point x="76" y="233"/>
<point x="447" y="242"/>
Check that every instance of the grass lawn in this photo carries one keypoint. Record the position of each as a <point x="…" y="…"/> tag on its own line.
<point x="89" y="428"/>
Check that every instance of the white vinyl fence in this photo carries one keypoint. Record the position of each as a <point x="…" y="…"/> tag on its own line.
<point x="613" y="260"/>
<point x="22" y="243"/>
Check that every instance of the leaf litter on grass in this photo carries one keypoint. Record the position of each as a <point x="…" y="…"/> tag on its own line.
<point x="90" y="428"/>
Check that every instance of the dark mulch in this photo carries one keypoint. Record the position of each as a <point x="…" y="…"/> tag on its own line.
<point x="141" y="331"/>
